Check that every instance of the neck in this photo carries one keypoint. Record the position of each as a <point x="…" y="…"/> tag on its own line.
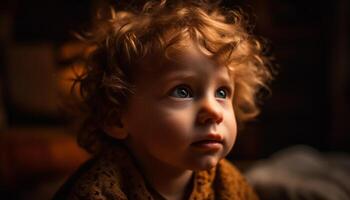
<point x="172" y="186"/>
<point x="170" y="182"/>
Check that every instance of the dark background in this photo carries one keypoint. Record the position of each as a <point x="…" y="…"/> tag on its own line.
<point x="309" y="103"/>
<point x="310" y="95"/>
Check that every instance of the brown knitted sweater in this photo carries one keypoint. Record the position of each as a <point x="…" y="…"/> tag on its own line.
<point x="113" y="175"/>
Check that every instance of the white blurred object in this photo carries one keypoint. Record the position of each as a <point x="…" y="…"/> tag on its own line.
<point x="301" y="172"/>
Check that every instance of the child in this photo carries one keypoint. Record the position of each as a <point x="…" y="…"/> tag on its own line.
<point x="164" y="87"/>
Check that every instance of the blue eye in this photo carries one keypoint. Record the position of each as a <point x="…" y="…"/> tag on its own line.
<point x="222" y="93"/>
<point x="181" y="91"/>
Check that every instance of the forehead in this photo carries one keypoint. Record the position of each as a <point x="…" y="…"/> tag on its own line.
<point x="187" y="61"/>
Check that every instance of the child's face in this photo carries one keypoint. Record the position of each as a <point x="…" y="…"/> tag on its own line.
<point x="181" y="114"/>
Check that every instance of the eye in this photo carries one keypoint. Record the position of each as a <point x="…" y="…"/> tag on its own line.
<point x="222" y="92"/>
<point x="182" y="91"/>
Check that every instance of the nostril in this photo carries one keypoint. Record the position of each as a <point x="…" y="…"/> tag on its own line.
<point x="210" y="121"/>
<point x="219" y="119"/>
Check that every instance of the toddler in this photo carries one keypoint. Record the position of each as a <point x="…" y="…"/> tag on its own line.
<point x="164" y="88"/>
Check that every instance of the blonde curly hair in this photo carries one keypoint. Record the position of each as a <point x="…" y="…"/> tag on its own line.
<point x="126" y="38"/>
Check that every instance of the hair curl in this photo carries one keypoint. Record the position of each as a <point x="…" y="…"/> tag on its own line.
<point x="125" y="38"/>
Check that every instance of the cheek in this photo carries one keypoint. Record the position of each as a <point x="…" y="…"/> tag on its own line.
<point x="173" y="125"/>
<point x="177" y="119"/>
<point x="137" y="119"/>
<point x="162" y="124"/>
<point x="231" y="125"/>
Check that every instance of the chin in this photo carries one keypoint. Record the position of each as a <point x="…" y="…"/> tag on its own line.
<point x="206" y="164"/>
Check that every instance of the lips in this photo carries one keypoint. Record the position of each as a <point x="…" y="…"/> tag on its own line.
<point x="202" y="142"/>
<point x="209" y="142"/>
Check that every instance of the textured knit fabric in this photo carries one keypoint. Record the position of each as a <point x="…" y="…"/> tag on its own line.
<point x="114" y="175"/>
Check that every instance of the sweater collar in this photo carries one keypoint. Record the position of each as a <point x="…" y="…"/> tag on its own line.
<point x="134" y="182"/>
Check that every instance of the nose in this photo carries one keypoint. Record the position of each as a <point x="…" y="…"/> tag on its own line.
<point x="210" y="111"/>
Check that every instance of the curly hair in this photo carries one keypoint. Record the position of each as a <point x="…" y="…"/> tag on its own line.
<point x="126" y="38"/>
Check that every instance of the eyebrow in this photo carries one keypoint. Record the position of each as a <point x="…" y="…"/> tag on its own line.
<point x="179" y="75"/>
<point x="226" y="80"/>
<point x="188" y="75"/>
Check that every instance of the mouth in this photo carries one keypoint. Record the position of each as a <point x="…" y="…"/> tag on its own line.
<point x="212" y="142"/>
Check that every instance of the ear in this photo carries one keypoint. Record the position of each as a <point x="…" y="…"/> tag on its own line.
<point x="116" y="132"/>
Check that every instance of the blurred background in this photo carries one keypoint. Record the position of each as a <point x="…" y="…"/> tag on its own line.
<point x="309" y="104"/>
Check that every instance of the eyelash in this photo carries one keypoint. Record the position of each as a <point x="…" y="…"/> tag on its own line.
<point x="185" y="88"/>
<point x="188" y="92"/>
<point x="227" y="91"/>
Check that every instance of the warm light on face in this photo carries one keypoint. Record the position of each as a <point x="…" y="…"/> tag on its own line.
<point x="182" y="116"/>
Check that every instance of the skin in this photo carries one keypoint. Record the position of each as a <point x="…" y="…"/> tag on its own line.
<point x="175" y="110"/>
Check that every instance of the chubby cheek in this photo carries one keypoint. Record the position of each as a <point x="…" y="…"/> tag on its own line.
<point x="173" y="127"/>
<point x="166" y="127"/>
<point x="231" y="130"/>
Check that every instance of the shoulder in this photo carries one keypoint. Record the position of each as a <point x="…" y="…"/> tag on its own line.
<point x="93" y="180"/>
<point x="231" y="184"/>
